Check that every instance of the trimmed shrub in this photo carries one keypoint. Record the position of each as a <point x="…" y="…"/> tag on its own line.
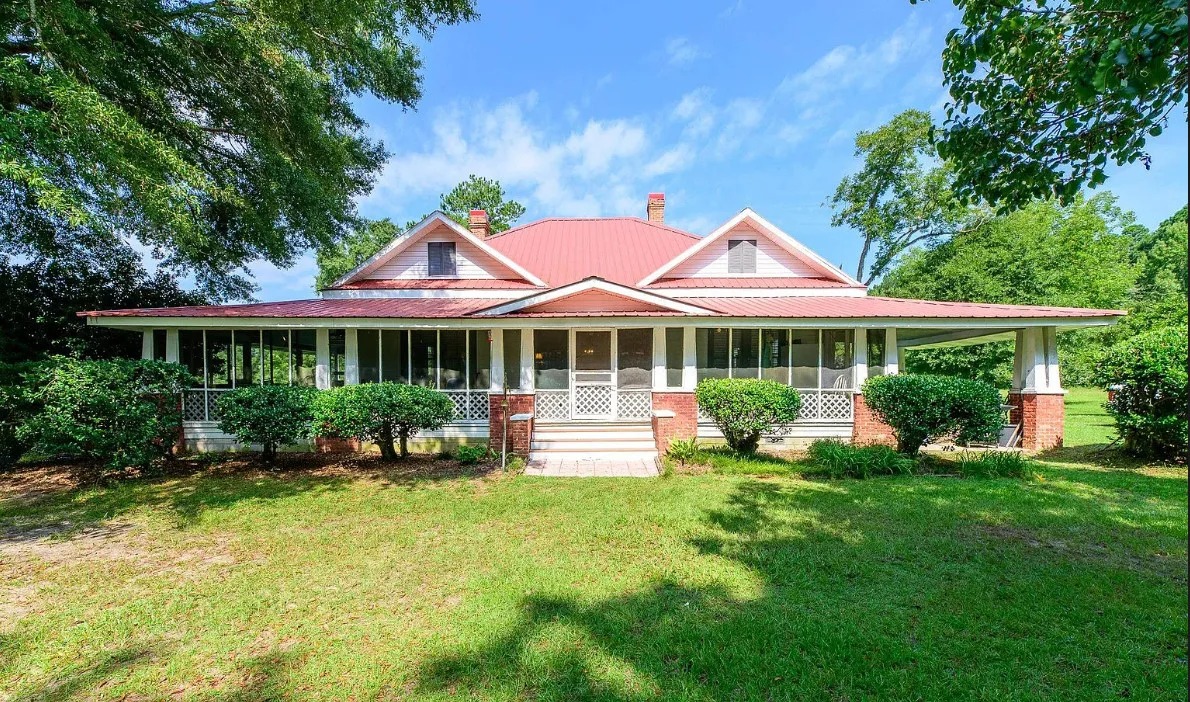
<point x="381" y="412"/>
<point x="469" y="455"/>
<point x="924" y="407"/>
<point x="118" y="413"/>
<point x="746" y="408"/>
<point x="1148" y="374"/>
<point x="995" y="464"/>
<point x="840" y="460"/>
<point x="270" y="415"/>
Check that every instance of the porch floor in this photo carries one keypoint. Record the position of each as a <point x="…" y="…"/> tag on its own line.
<point x="594" y="467"/>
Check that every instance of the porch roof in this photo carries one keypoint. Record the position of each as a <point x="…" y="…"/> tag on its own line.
<point x="803" y="307"/>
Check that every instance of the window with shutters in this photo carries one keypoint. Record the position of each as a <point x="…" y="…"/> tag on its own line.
<point x="442" y="258"/>
<point x="741" y="256"/>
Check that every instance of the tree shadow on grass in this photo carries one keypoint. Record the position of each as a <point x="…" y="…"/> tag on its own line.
<point x="912" y="596"/>
<point x="87" y="676"/>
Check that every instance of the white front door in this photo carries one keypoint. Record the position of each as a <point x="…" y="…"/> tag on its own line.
<point x="593" y="375"/>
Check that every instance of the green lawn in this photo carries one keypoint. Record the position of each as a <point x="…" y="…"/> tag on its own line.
<point x="362" y="584"/>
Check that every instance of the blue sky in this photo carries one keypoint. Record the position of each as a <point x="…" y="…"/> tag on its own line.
<point x="582" y="109"/>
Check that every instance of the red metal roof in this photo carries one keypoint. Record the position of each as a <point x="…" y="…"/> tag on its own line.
<point x="437" y="284"/>
<point x="806" y="307"/>
<point x="748" y="283"/>
<point x="620" y="249"/>
<point x="884" y="307"/>
<point x="383" y="307"/>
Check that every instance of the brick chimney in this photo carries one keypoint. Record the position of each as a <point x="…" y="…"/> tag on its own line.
<point x="656" y="207"/>
<point x="479" y="224"/>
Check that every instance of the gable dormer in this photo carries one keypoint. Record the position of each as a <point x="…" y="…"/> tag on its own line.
<point x="749" y="247"/>
<point x="436" y="249"/>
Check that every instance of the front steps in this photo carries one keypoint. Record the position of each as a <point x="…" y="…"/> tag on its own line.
<point x="580" y="440"/>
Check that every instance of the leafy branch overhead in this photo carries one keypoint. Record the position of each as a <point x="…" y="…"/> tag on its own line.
<point x="215" y="133"/>
<point x="1045" y="95"/>
<point x="901" y="196"/>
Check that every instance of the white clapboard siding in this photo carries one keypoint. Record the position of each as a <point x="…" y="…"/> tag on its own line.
<point x="470" y="262"/>
<point x="772" y="261"/>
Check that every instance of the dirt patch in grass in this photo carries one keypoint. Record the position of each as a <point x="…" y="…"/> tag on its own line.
<point x="1161" y="564"/>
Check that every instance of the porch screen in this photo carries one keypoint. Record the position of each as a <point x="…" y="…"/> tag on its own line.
<point x="275" y="352"/>
<point x="675" y="355"/>
<point x="876" y="352"/>
<point x="512" y="358"/>
<point x="394" y="356"/>
<point x="634" y="351"/>
<point x="304" y="356"/>
<point x="838" y="355"/>
<point x="479" y="359"/>
<point x="745" y="353"/>
<point x="338" y="359"/>
<point x="774" y="355"/>
<point x="452" y="345"/>
<point x="368" y="354"/>
<point x="423" y="348"/>
<point x="711" y="348"/>
<point x="551" y="362"/>
<point x="803" y="345"/>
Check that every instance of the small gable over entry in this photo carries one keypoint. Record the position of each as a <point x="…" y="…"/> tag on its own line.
<point x="594" y="296"/>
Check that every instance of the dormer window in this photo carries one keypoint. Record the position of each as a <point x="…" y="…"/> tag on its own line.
<point x="441" y="256"/>
<point x="741" y="256"/>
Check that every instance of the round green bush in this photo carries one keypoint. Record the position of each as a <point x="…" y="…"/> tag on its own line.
<point x="270" y="415"/>
<point x="381" y="412"/>
<point x="746" y="408"/>
<point x="118" y="413"/>
<point x="1147" y="374"/>
<point x="922" y="407"/>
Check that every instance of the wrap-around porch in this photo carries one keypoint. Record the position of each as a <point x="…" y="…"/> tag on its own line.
<point x="626" y="373"/>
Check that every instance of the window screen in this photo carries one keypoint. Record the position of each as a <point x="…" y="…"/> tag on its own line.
<point x="741" y="256"/>
<point x="674" y="356"/>
<point x="442" y="257"/>
<point x="512" y="358"/>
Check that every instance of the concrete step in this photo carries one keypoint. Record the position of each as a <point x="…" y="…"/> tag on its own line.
<point x="553" y="456"/>
<point x="592" y="426"/>
<point x="599" y="446"/>
<point x="624" y="435"/>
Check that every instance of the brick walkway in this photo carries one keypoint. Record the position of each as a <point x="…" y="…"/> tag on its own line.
<point x="592" y="468"/>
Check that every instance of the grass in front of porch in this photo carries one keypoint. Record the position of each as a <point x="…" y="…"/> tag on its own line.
<point x="430" y="582"/>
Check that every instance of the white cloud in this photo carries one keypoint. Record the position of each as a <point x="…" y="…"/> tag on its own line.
<point x="680" y="51"/>
<point x="846" y="66"/>
<point x="596" y="169"/>
<point x="675" y="159"/>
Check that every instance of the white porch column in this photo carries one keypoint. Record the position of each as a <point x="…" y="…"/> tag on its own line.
<point x="146" y="345"/>
<point x="892" y="359"/>
<point x="322" y="359"/>
<point x="526" y="359"/>
<point x="659" y="351"/>
<point x="861" y="356"/>
<point x="689" y="360"/>
<point x="1035" y="364"/>
<point x="1050" y="339"/>
<point x="496" y="356"/>
<point x="171" y="345"/>
<point x="351" y="354"/>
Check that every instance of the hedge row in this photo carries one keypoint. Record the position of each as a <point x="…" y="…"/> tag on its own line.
<point x="128" y="413"/>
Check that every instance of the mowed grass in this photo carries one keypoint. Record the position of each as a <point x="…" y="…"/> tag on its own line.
<point x="369" y="584"/>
